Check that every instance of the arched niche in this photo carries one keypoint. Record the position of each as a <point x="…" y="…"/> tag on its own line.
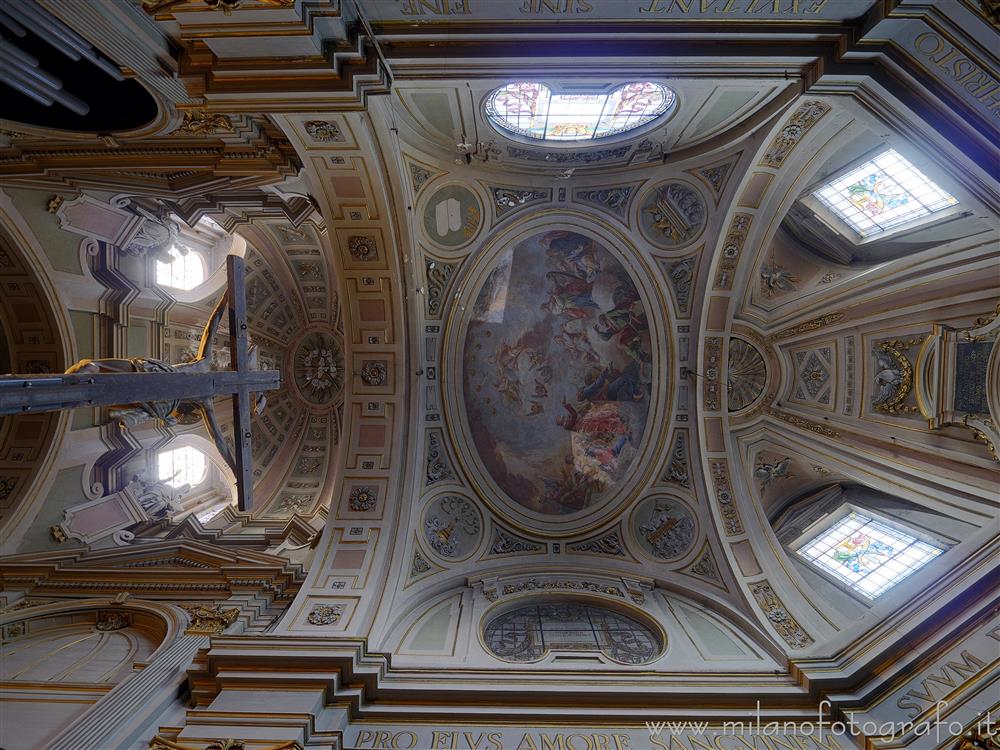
<point x="58" y="660"/>
<point x="33" y="339"/>
<point x="690" y="635"/>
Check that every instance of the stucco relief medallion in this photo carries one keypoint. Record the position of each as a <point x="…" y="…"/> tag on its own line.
<point x="318" y="368"/>
<point x="452" y="527"/>
<point x="452" y="217"/>
<point x="557" y="372"/>
<point x="664" y="528"/>
<point x="672" y="214"/>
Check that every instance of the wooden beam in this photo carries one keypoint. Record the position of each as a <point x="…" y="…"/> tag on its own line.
<point x="239" y="350"/>
<point x="42" y="393"/>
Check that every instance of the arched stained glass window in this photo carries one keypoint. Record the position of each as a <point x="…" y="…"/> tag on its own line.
<point x="528" y="633"/>
<point x="532" y="110"/>
<point x="185" y="465"/>
<point x="185" y="272"/>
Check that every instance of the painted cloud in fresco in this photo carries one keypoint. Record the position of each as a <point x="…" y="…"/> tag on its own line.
<point x="557" y="372"/>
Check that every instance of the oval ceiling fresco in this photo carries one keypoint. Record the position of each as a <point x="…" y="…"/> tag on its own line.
<point x="557" y="372"/>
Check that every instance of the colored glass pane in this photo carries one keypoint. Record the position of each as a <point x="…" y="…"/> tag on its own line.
<point x="869" y="555"/>
<point x="533" y="111"/>
<point x="883" y="193"/>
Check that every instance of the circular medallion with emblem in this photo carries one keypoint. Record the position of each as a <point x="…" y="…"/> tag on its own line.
<point x="318" y="368"/>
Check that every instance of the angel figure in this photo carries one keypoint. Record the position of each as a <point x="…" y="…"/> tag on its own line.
<point x="768" y="472"/>
<point x="888" y="376"/>
<point x="774" y="278"/>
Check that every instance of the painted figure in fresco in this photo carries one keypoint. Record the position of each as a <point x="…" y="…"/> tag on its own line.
<point x="576" y="343"/>
<point x="626" y="321"/>
<point x="572" y="253"/>
<point x="567" y="367"/>
<point x="573" y="490"/>
<point x="591" y="419"/>
<point x="570" y="295"/>
<point x="612" y="384"/>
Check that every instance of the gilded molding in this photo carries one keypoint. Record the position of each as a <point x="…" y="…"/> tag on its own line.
<point x="804" y="424"/>
<point x="724" y="497"/>
<point x="780" y="619"/>
<point x="894" y="403"/>
<point x="732" y="248"/>
<point x="710" y="380"/>
<point x="801" y="122"/>
<point x="810" y="325"/>
<point x="162" y="743"/>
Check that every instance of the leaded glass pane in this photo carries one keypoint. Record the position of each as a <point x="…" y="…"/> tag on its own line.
<point x="182" y="466"/>
<point x="527" y="633"/>
<point x="186" y="271"/>
<point x="868" y="555"/>
<point x="883" y="193"/>
<point x="533" y="111"/>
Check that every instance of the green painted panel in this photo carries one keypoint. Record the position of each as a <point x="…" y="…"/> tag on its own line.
<point x="726" y="104"/>
<point x="61" y="247"/>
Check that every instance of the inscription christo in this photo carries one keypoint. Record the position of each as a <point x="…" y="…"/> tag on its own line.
<point x="944" y="680"/>
<point x="774" y="7"/>
<point x="981" y="85"/>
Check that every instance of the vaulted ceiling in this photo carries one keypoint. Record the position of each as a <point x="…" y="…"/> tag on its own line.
<point x="618" y="368"/>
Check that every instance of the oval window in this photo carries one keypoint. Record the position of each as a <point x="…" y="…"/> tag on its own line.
<point x="532" y="110"/>
<point x="528" y="633"/>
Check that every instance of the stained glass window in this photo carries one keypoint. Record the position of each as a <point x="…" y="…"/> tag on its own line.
<point x="185" y="465"/>
<point x="868" y="555"/>
<point x="532" y="110"/>
<point x="185" y="272"/>
<point x="528" y="633"/>
<point x="883" y="193"/>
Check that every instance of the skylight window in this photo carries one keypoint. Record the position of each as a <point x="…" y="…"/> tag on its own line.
<point x="532" y="110"/>
<point x="182" y="466"/>
<point x="185" y="272"/>
<point x="868" y="555"/>
<point x="883" y="193"/>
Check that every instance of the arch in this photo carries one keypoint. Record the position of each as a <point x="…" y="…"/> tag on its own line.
<point x="37" y="339"/>
<point x="60" y="659"/>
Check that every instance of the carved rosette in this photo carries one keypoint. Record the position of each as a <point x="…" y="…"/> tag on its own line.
<point x="325" y="614"/>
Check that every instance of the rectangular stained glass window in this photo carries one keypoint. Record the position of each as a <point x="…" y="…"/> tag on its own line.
<point x="883" y="193"/>
<point x="868" y="555"/>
